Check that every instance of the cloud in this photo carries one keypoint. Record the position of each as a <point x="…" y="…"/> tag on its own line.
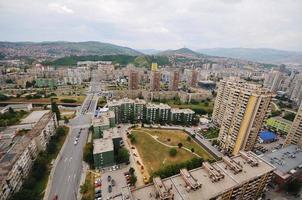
<point x="60" y="8"/>
<point x="157" y="24"/>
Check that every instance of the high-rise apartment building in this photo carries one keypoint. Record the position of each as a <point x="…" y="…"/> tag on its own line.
<point x="155" y="81"/>
<point x="191" y="76"/>
<point x="242" y="112"/>
<point x="174" y="80"/>
<point x="133" y="79"/>
<point x="295" y="134"/>
<point x="273" y="80"/>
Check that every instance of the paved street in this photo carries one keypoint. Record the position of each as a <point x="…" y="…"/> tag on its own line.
<point x="67" y="171"/>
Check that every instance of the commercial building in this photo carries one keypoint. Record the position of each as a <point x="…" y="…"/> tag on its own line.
<point x="279" y="124"/>
<point x="155" y="81"/>
<point x="174" y="80"/>
<point x="244" y="109"/>
<point x="295" y="134"/>
<point x="288" y="164"/>
<point x="133" y="79"/>
<point x="244" y="176"/>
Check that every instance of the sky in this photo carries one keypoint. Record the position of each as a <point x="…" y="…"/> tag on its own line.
<point x="156" y="24"/>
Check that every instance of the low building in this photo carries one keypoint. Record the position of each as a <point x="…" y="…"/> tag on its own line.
<point x="17" y="107"/>
<point x="279" y="124"/>
<point x="288" y="164"/>
<point x="267" y="137"/>
<point x="244" y="176"/>
<point x="103" y="152"/>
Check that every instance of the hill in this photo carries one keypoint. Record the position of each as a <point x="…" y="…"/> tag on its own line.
<point x="262" y="55"/>
<point x="182" y="52"/>
<point x="62" y="49"/>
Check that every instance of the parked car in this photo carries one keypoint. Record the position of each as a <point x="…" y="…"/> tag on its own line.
<point x="109" y="178"/>
<point x="109" y="188"/>
<point x="113" y="182"/>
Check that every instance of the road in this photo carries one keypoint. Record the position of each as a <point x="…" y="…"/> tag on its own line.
<point x="68" y="169"/>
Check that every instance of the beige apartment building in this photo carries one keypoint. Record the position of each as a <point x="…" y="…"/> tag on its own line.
<point x="243" y="177"/>
<point x="243" y="109"/>
<point x="295" y="134"/>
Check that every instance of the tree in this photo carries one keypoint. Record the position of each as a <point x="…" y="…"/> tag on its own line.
<point x="189" y="139"/>
<point x="289" y="116"/>
<point x="55" y="109"/>
<point x="179" y="145"/>
<point x="88" y="154"/>
<point x="133" y="180"/>
<point x="131" y="171"/>
<point x="66" y="120"/>
<point x="84" y="188"/>
<point x="193" y="150"/>
<point x="122" y="156"/>
<point x="173" y="152"/>
<point x="293" y="187"/>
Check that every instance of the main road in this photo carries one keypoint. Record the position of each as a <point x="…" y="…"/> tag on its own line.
<point x="65" y="179"/>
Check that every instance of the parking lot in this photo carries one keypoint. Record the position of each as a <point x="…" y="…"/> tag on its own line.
<point x="119" y="182"/>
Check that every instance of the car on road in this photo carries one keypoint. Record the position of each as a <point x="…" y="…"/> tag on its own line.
<point x="75" y="142"/>
<point x="113" y="182"/>
<point x="109" y="188"/>
<point x="98" y="195"/>
<point x="109" y="178"/>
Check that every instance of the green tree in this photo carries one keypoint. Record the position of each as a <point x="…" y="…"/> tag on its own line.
<point x="88" y="154"/>
<point x="133" y="180"/>
<point x="179" y="145"/>
<point x="55" y="109"/>
<point x="193" y="150"/>
<point x="66" y="120"/>
<point x="293" y="187"/>
<point x="189" y="139"/>
<point x="131" y="171"/>
<point x="122" y="156"/>
<point x="173" y="152"/>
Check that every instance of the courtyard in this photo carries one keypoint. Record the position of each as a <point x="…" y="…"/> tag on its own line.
<point x="154" y="145"/>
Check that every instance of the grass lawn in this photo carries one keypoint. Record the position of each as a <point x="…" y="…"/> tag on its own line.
<point x="206" y="106"/>
<point x="173" y="137"/>
<point x="156" y="155"/>
<point x="79" y="99"/>
<point x="88" y="193"/>
<point x="211" y="133"/>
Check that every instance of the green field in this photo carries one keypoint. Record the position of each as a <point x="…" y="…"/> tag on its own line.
<point x="156" y="155"/>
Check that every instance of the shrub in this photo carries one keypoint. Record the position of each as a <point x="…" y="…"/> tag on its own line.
<point x="68" y="100"/>
<point x="173" y="152"/>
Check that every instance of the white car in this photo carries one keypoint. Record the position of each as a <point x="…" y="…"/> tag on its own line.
<point x="75" y="142"/>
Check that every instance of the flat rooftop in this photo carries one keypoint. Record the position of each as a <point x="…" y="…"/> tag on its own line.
<point x="102" y="145"/>
<point x="160" y="106"/>
<point x="285" y="159"/>
<point x="209" y="189"/>
<point x="281" y="119"/>
<point x="185" y="111"/>
<point x="34" y="117"/>
<point x="111" y="133"/>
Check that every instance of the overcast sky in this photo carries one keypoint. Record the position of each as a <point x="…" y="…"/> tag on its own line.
<point x="158" y="24"/>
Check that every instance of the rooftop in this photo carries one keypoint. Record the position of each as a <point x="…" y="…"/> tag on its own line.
<point x="278" y="118"/>
<point x="285" y="159"/>
<point x="40" y="125"/>
<point x="34" y="117"/>
<point x="160" y="106"/>
<point x="111" y="133"/>
<point x="186" y="111"/>
<point x="12" y="155"/>
<point x="102" y="145"/>
<point x="249" y="164"/>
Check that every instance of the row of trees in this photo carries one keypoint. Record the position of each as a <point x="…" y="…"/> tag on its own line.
<point x="31" y="188"/>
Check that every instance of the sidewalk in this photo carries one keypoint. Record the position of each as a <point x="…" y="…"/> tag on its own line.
<point x="85" y="168"/>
